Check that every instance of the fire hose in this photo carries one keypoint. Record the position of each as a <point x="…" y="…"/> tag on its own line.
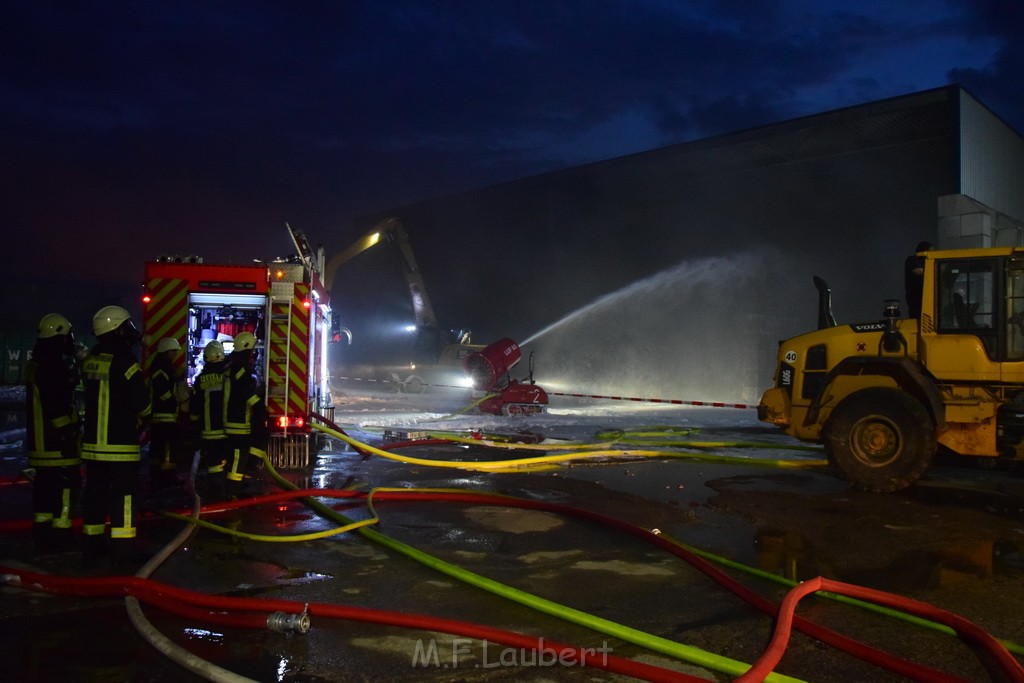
<point x="905" y="616"/>
<point x="184" y="603"/>
<point x="915" y="671"/>
<point x="608" y="627"/>
<point x="595" y="451"/>
<point x="503" y="500"/>
<point x="967" y="630"/>
<point x="645" y="640"/>
<point x="150" y="633"/>
<point x="254" y="613"/>
<point x="383" y="493"/>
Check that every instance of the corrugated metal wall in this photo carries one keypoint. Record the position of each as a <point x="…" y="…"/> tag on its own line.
<point x="991" y="160"/>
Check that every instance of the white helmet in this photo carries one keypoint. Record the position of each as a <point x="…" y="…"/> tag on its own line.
<point x="108" y="319"/>
<point x="245" y="341"/>
<point x="167" y="344"/>
<point x="53" y="325"/>
<point x="214" y="352"/>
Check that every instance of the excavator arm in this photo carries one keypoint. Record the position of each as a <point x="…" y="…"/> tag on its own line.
<point x="422" y="310"/>
<point x="391" y="229"/>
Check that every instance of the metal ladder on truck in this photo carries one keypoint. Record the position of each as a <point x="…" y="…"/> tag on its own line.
<point x="288" y="445"/>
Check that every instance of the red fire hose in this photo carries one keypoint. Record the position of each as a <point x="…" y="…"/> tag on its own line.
<point x="849" y="645"/>
<point x="252" y="613"/>
<point x="865" y="652"/>
<point x="967" y="630"/>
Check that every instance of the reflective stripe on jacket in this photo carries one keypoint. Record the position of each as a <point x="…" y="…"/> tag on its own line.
<point x="116" y="403"/>
<point x="244" y="411"/>
<point x="163" y="377"/>
<point x="52" y="424"/>
<point x="207" y="403"/>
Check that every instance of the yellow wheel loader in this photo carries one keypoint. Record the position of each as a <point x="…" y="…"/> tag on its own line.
<point x="884" y="396"/>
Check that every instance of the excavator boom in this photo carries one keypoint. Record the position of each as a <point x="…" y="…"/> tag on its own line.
<point x="391" y="229"/>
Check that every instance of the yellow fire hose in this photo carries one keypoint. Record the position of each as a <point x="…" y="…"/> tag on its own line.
<point x="585" y="451"/>
<point x="628" y="634"/>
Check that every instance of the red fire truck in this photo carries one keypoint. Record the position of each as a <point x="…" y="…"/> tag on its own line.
<point x="282" y="302"/>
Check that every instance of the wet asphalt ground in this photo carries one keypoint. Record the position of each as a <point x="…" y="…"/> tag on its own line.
<point x="955" y="540"/>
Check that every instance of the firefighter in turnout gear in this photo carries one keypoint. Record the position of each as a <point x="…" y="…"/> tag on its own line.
<point x="245" y="414"/>
<point x="168" y="392"/>
<point x="116" y="409"/>
<point x="52" y="433"/>
<point x="206" y="411"/>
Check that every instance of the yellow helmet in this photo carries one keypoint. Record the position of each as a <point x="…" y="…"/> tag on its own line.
<point x="53" y="325"/>
<point x="214" y="352"/>
<point x="108" y="319"/>
<point x="167" y="344"/>
<point x="245" y="341"/>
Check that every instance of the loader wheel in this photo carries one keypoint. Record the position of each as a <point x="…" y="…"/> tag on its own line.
<point x="880" y="440"/>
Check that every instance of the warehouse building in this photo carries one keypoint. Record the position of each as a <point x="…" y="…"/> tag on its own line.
<point x="675" y="271"/>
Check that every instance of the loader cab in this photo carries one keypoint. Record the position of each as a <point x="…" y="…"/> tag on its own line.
<point x="982" y="297"/>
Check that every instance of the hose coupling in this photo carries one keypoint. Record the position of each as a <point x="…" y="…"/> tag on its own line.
<point x="283" y="622"/>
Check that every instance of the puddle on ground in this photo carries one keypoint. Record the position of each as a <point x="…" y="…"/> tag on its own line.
<point x="624" y="568"/>
<point x="952" y="487"/>
<point x="513" y="520"/>
<point x="549" y="556"/>
<point x="792" y="556"/>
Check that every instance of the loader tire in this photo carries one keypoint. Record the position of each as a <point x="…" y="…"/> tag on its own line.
<point x="880" y="440"/>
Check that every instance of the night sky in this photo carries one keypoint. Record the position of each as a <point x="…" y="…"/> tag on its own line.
<point x="133" y="129"/>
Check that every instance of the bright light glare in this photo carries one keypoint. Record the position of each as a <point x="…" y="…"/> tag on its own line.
<point x="410" y="328"/>
<point x="464" y="381"/>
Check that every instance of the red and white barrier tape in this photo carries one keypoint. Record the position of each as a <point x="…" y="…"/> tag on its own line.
<point x="670" y="401"/>
<point x="399" y="383"/>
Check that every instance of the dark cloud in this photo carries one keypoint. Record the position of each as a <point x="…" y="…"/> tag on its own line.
<point x="996" y="82"/>
<point x="131" y="129"/>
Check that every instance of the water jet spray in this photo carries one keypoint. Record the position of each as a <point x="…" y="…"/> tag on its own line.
<point x="707" y="327"/>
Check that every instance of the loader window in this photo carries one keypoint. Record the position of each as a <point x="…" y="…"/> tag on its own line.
<point x="966" y="299"/>
<point x="814" y="371"/>
<point x="1015" y="315"/>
